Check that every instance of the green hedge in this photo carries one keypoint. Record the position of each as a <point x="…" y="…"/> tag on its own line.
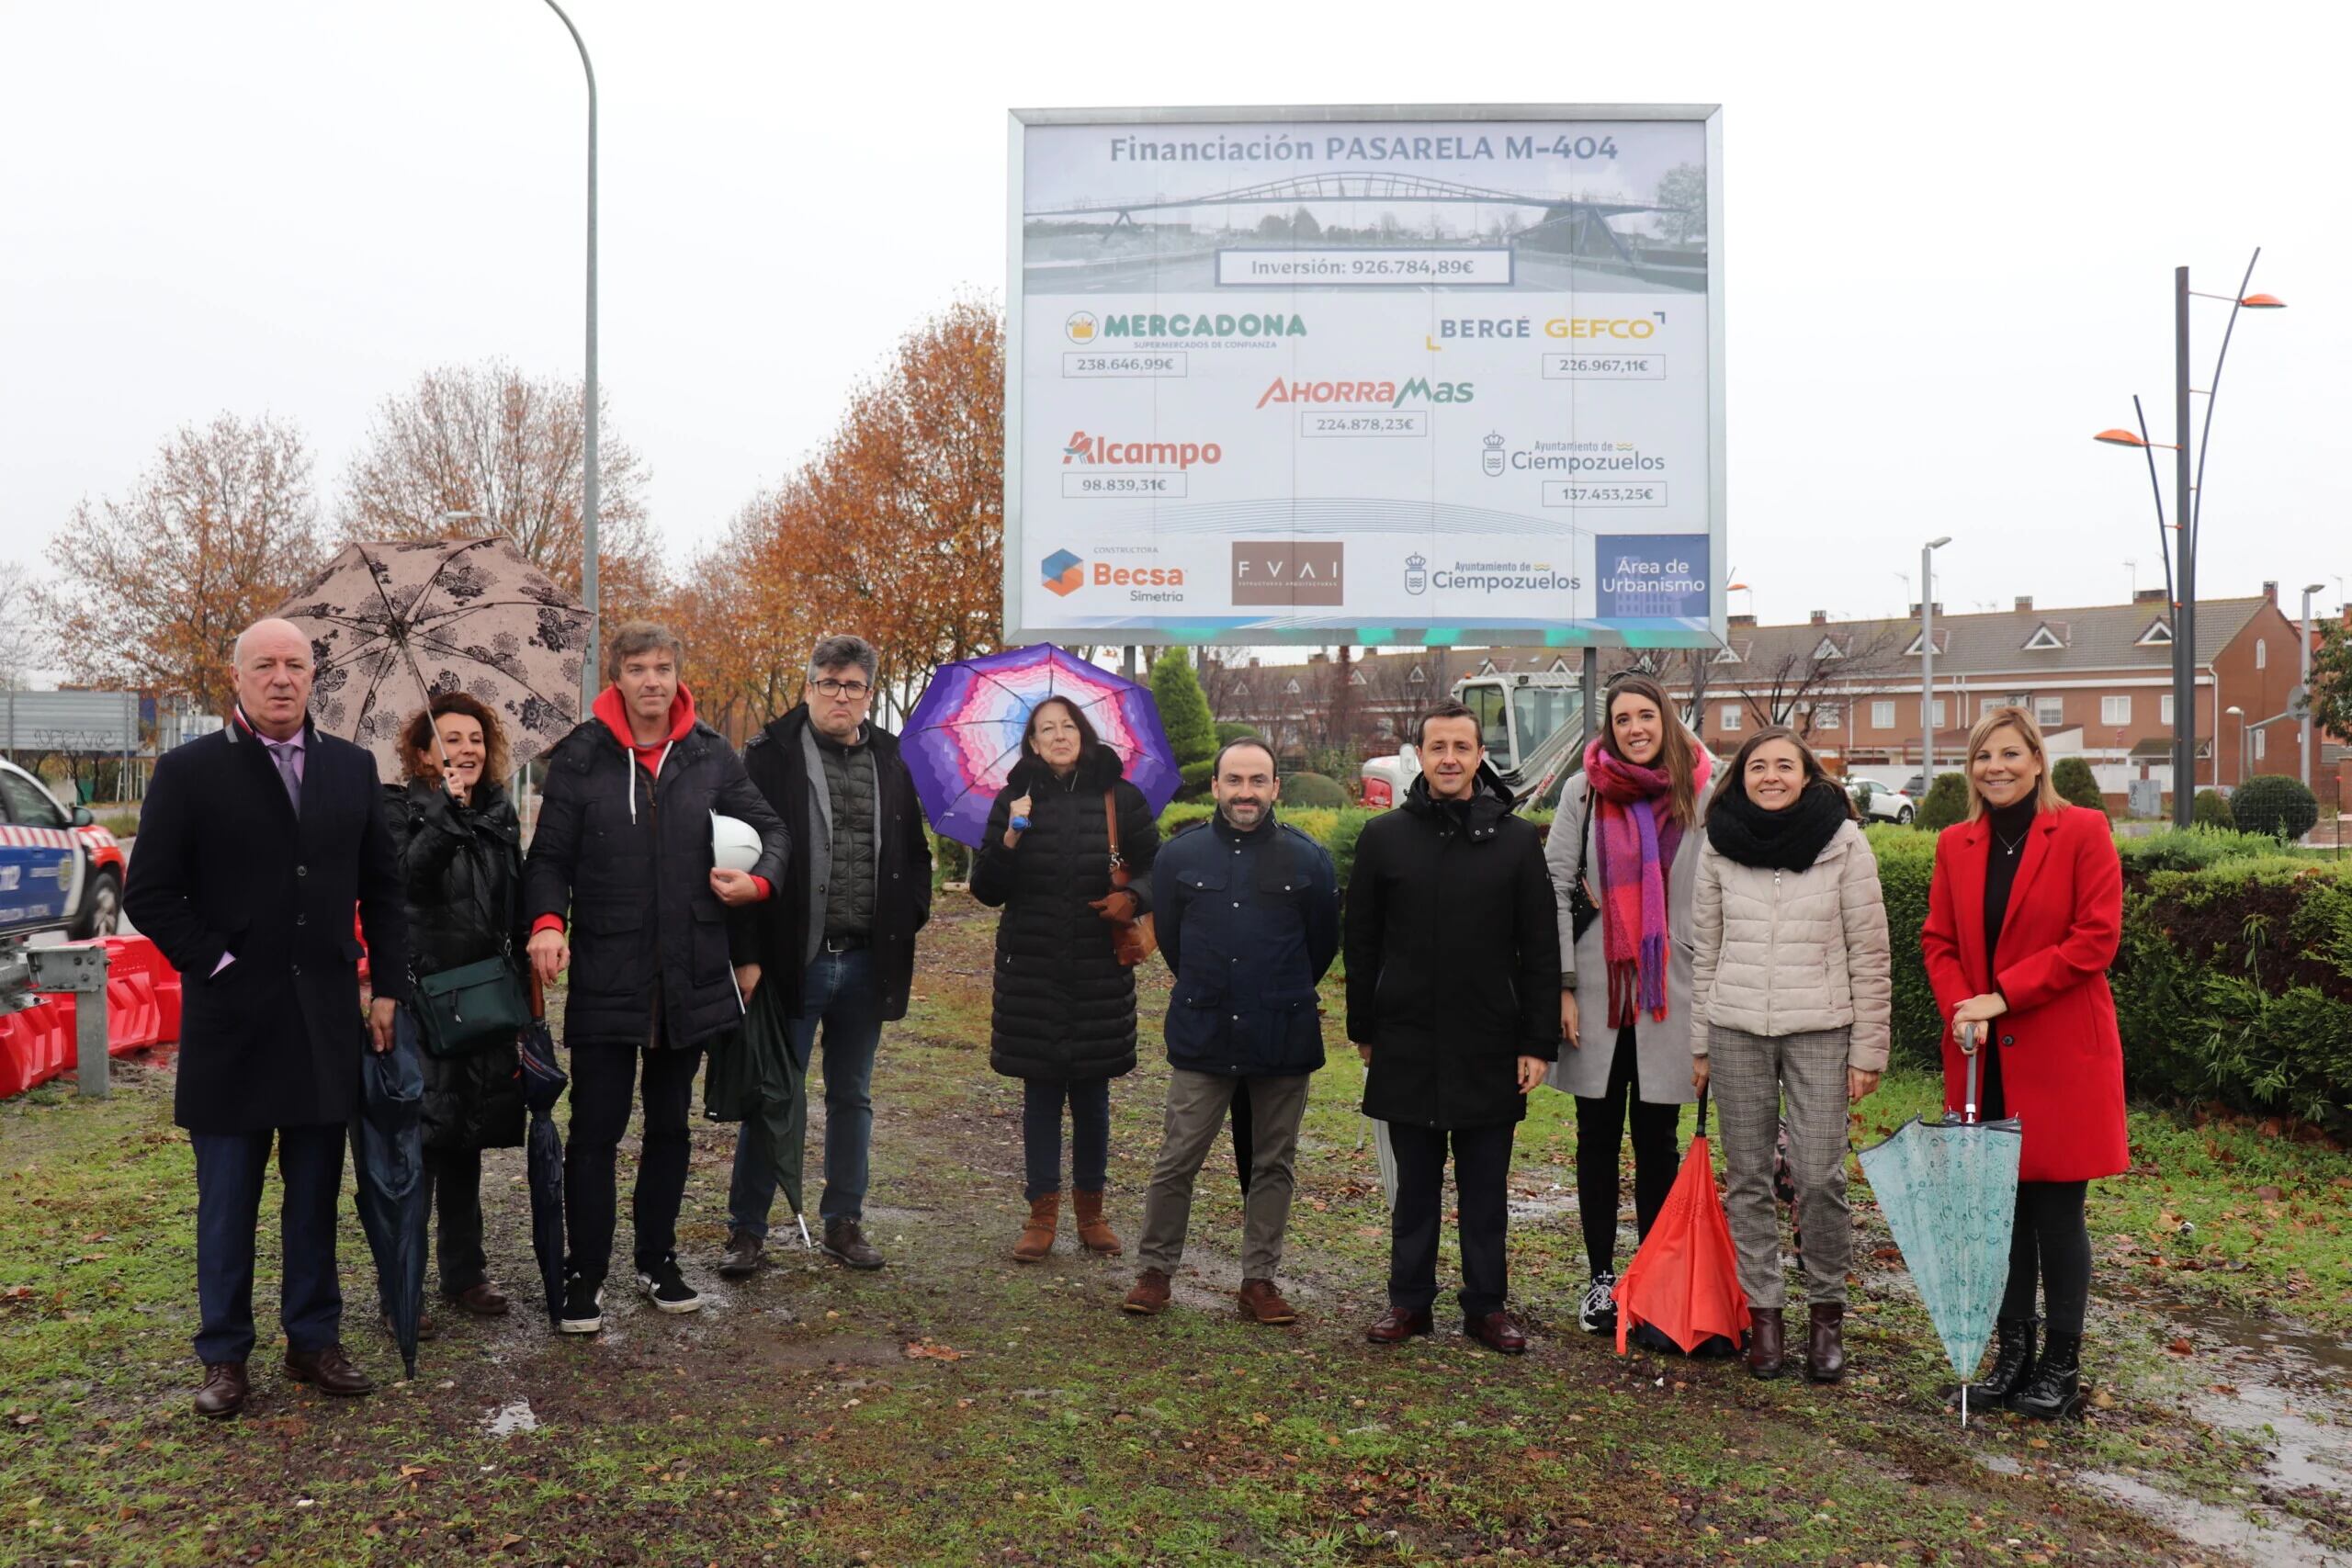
<point x="2233" y="980"/>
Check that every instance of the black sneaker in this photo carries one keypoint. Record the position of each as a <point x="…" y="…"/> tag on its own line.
<point x="741" y="1258"/>
<point x="666" y="1288"/>
<point x="1599" y="1312"/>
<point x="583" y="1307"/>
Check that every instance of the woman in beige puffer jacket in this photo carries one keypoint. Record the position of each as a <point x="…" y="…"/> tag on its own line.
<point x="1791" y="994"/>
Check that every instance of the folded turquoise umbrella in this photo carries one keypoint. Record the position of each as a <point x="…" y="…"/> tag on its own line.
<point x="1949" y="1190"/>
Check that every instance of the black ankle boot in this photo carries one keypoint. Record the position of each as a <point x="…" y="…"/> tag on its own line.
<point x="2013" y="1364"/>
<point x="2056" y="1389"/>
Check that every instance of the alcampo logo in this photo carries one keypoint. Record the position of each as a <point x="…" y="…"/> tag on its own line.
<point x="1381" y="394"/>
<point x="1085" y="449"/>
<point x="1080" y="328"/>
<point x="1064" y="572"/>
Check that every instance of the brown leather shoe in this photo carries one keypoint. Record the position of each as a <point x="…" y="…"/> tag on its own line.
<point x="1825" y="1351"/>
<point x="845" y="1242"/>
<point x="1497" y="1331"/>
<point x="425" y="1327"/>
<point x="1093" y="1232"/>
<point x="224" y="1389"/>
<point x="1396" y="1326"/>
<point x="1149" y="1298"/>
<point x="1038" y="1235"/>
<point x="1260" y="1302"/>
<point x="485" y="1299"/>
<point x="329" y="1371"/>
<point x="1767" y="1342"/>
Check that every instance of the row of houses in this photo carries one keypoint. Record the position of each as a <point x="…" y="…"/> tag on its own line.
<point x="2098" y="678"/>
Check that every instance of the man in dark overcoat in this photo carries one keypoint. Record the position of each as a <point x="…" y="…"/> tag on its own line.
<point x="254" y="844"/>
<point x="1454" y="972"/>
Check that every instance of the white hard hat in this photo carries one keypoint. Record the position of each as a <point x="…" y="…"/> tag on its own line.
<point x="734" y="843"/>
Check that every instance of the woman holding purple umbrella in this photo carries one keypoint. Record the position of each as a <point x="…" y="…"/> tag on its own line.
<point x="1064" y="1014"/>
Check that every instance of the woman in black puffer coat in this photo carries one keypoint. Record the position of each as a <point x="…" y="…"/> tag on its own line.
<point x="460" y="849"/>
<point x="1064" y="1017"/>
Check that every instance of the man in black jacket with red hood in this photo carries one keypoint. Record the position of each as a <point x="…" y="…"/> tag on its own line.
<point x="837" y="943"/>
<point x="624" y="847"/>
<point x="1452" y="946"/>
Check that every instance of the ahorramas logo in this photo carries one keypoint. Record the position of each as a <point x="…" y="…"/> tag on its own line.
<point x="1065" y="573"/>
<point x="1080" y="328"/>
<point x="1368" y="394"/>
<point x="1087" y="450"/>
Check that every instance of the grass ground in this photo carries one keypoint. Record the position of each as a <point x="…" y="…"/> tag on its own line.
<point x="961" y="1408"/>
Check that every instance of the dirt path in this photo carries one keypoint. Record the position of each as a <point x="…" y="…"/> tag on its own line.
<point x="958" y="1407"/>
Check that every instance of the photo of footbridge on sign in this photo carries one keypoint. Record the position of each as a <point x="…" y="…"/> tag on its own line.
<point x="1330" y="227"/>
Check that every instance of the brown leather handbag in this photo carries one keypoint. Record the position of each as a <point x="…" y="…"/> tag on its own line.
<point x="1133" y="941"/>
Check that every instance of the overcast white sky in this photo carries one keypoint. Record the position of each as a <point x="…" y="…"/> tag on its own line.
<point x="1949" y="243"/>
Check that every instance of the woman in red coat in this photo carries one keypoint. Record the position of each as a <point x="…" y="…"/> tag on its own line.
<point x="2023" y="918"/>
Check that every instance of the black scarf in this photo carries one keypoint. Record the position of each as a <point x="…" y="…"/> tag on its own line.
<point x="1788" y="839"/>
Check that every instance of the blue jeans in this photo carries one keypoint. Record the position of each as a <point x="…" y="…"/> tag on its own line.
<point x="837" y="992"/>
<point x="1089" y="1133"/>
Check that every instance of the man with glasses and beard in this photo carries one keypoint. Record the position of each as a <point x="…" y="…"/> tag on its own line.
<point x="1249" y="920"/>
<point x="838" y="940"/>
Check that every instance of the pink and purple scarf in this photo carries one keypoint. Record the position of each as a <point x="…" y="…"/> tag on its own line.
<point x="1634" y="837"/>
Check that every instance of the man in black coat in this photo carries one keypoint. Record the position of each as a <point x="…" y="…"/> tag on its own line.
<point x="254" y="844"/>
<point x="1247" y="913"/>
<point x="837" y="943"/>
<point x="1453" y="964"/>
<point x="624" y="846"/>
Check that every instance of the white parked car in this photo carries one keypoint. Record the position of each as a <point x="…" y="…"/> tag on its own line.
<point x="1878" y="803"/>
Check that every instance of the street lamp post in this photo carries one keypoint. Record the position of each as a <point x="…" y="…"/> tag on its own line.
<point x="1927" y="664"/>
<point x="2239" y="713"/>
<point x="588" y="396"/>
<point x="2188" y="501"/>
<point x="2304" y="632"/>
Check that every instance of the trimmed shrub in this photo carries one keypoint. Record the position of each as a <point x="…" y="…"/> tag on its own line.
<point x="1312" y="790"/>
<point x="1947" y="803"/>
<point x="1184" y="714"/>
<point x="2275" y="804"/>
<point x="1227" y="733"/>
<point x="2211" y="808"/>
<point x="1196" y="776"/>
<point x="2191" y="849"/>
<point x="2075" y="784"/>
<point x="1906" y="862"/>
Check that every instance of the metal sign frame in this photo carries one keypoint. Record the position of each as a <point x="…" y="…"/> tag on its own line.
<point x="1015" y="551"/>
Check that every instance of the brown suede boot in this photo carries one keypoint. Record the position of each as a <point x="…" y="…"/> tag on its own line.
<point x="1825" y="1352"/>
<point x="1038" y="1235"/>
<point x="1092" y="1233"/>
<point x="1149" y="1298"/>
<point x="1767" y="1342"/>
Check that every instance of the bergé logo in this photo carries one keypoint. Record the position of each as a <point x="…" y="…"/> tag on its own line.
<point x="1289" y="571"/>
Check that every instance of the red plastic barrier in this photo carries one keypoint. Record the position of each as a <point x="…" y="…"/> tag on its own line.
<point x="143" y="1009"/>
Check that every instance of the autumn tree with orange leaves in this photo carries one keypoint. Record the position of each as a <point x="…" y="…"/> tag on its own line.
<point x="893" y="531"/>
<point x="152" y="589"/>
<point x="472" y="450"/>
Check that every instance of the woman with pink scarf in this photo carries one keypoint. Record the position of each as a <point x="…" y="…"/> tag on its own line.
<point x="1623" y="852"/>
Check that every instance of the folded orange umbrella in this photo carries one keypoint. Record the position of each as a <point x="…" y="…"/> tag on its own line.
<point x="1684" y="1282"/>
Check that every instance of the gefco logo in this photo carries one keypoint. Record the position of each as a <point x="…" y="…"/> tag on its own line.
<point x="1086" y="450"/>
<point x="1459" y="329"/>
<point x="1368" y="394"/>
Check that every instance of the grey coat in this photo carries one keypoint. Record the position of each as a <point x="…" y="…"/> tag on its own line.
<point x="1663" y="1045"/>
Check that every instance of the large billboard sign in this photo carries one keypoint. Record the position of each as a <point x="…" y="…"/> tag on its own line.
<point x="1342" y="375"/>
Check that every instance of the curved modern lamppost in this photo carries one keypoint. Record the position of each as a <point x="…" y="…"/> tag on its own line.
<point x="588" y="409"/>
<point x="2188" y="481"/>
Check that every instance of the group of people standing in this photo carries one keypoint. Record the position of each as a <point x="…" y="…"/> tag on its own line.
<point x="1704" y="930"/>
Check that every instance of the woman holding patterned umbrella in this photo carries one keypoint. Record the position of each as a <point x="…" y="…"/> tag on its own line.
<point x="458" y="844"/>
<point x="1063" y="1018"/>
